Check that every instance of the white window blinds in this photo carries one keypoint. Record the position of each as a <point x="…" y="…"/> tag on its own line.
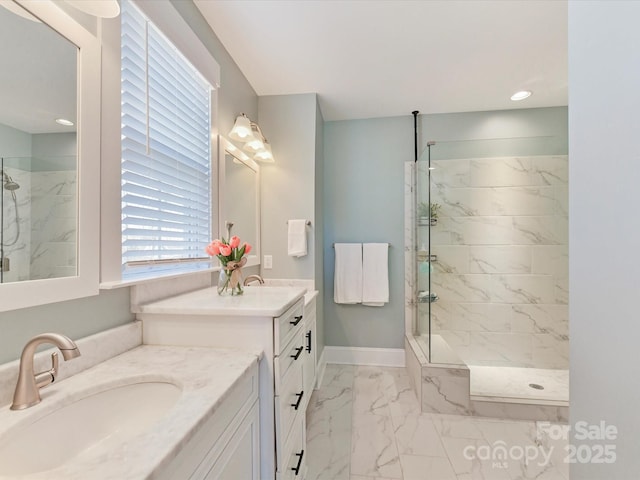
<point x="166" y="151"/>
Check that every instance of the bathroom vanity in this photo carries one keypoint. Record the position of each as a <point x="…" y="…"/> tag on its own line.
<point x="151" y="412"/>
<point x="272" y="319"/>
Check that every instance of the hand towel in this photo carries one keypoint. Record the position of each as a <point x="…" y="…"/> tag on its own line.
<point x="297" y="238"/>
<point x="375" y="274"/>
<point x="347" y="283"/>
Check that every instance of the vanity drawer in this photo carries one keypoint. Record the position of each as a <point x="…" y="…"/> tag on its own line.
<point x="287" y="324"/>
<point x="293" y="353"/>
<point x="293" y="465"/>
<point x="290" y="401"/>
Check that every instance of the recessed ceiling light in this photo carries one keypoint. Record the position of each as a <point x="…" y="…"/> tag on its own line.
<point x="521" y="95"/>
<point x="65" y="122"/>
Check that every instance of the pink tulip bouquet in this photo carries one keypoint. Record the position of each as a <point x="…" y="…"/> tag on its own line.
<point x="232" y="257"/>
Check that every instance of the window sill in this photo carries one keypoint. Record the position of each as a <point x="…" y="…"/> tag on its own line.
<point x="142" y="280"/>
<point x="252" y="260"/>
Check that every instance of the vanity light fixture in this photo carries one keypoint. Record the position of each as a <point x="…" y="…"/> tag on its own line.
<point x="248" y="132"/>
<point x="521" y="95"/>
<point x="97" y="8"/>
<point x="265" y="155"/>
<point x="64" y="121"/>
<point x="256" y="144"/>
<point x="241" y="130"/>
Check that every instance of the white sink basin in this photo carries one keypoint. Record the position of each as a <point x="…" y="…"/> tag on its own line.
<point x="98" y="421"/>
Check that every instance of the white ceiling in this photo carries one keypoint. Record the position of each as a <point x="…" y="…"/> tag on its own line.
<point x="378" y="58"/>
<point x="37" y="76"/>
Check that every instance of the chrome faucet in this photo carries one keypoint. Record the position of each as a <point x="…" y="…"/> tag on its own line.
<point x="27" y="392"/>
<point x="251" y="278"/>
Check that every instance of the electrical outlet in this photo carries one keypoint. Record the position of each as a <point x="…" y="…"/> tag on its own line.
<point x="267" y="264"/>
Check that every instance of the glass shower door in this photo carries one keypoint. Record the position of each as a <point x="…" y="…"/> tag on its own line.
<point x="426" y="219"/>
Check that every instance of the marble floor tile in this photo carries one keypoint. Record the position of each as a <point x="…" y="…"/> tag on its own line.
<point x="509" y="431"/>
<point x="329" y="434"/>
<point x="373" y="447"/>
<point x="338" y="376"/>
<point x="362" y="477"/>
<point x="369" y="386"/>
<point x="467" y="457"/>
<point x="351" y="436"/>
<point x="401" y="397"/>
<point x="417" y="467"/>
<point x="416" y="435"/>
<point x="457" y="426"/>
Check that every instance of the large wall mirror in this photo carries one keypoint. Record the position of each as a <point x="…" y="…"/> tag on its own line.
<point x="49" y="155"/>
<point x="239" y="197"/>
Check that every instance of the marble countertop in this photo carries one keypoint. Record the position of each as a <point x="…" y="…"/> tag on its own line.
<point x="255" y="301"/>
<point x="203" y="390"/>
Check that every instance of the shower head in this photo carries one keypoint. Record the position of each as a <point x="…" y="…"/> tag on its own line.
<point x="9" y="184"/>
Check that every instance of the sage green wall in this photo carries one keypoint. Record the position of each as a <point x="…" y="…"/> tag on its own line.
<point x="364" y="194"/>
<point x="288" y="190"/>
<point x="78" y="318"/>
<point x="292" y="187"/>
<point x="75" y="318"/>
<point x="363" y="202"/>
<point x="319" y="229"/>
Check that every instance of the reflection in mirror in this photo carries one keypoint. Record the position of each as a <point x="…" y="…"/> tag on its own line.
<point x="38" y="155"/>
<point x="240" y="197"/>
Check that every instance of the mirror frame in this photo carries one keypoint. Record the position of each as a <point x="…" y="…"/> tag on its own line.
<point x="85" y="283"/>
<point x="226" y="147"/>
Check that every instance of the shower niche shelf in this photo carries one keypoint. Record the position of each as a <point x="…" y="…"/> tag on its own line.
<point x="424" y="256"/>
<point x="425" y="222"/>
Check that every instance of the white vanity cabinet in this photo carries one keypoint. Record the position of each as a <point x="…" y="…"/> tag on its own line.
<point x="269" y="318"/>
<point x="310" y="359"/>
<point x="227" y="446"/>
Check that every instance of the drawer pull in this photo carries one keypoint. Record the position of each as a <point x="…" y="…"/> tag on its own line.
<point x="297" y="404"/>
<point x="298" y="352"/>
<point x="296" y="321"/>
<point x="308" y="335"/>
<point x="297" y="468"/>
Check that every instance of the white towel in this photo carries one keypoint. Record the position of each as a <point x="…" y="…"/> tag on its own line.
<point x="375" y="274"/>
<point x="297" y="238"/>
<point x="347" y="284"/>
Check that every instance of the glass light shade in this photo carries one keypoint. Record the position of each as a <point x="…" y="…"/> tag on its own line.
<point x="257" y="141"/>
<point x="265" y="155"/>
<point x="97" y="8"/>
<point x="254" y="146"/>
<point x="241" y="130"/>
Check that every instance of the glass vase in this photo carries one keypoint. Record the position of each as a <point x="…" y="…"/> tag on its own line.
<point x="230" y="282"/>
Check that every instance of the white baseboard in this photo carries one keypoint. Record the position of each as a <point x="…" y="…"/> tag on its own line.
<point x="383" y="357"/>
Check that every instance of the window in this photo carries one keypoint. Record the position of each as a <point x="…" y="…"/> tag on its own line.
<point x="166" y="153"/>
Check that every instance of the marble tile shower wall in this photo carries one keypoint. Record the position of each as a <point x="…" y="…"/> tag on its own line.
<point x="53" y="224"/>
<point x="502" y="268"/>
<point x="46" y="246"/>
<point x="17" y="252"/>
